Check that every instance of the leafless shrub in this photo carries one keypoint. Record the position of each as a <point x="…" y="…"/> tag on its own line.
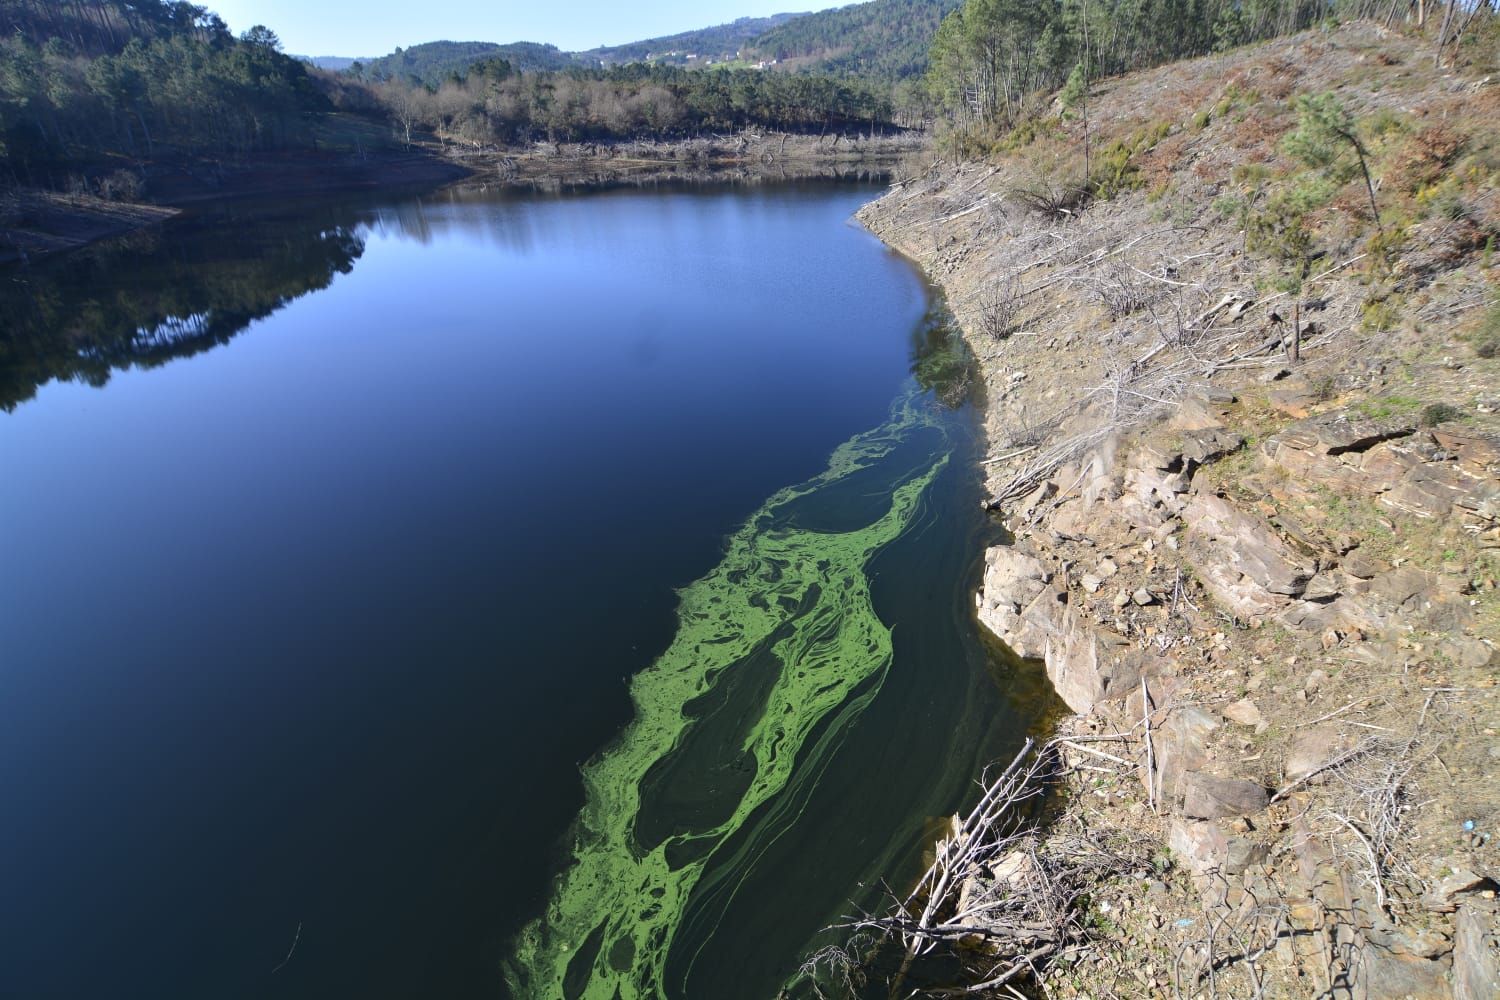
<point x="1051" y="180"/>
<point x="837" y="968"/>
<point x="1027" y="431"/>
<point x="1179" y="317"/>
<point x="1053" y="198"/>
<point x="1121" y="289"/>
<point x="1371" y="801"/>
<point x="1371" y="806"/>
<point x="1231" y="937"/>
<point x="120" y="185"/>
<point x="1001" y="900"/>
<point x="1000" y="308"/>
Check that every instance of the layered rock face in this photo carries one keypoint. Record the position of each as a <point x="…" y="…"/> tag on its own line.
<point x="1314" y="582"/>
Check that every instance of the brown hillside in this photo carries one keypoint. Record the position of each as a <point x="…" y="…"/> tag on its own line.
<point x="1265" y="584"/>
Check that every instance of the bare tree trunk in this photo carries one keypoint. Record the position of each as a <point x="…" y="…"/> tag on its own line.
<point x="1463" y="29"/>
<point x="1364" y="168"/>
<point x="1295" y="351"/>
<point x="1437" y="57"/>
<point x="146" y="130"/>
<point x="1087" y="172"/>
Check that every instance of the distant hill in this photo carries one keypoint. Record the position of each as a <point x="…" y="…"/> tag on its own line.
<point x="689" y="48"/>
<point x="529" y="57"/>
<point x="886" y="39"/>
<point x="334" y="64"/>
<point x="882" y="39"/>
<point x="432" y="62"/>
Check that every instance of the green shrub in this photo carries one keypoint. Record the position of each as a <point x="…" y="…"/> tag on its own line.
<point x="1251" y="175"/>
<point x="1076" y="89"/>
<point x="1028" y="131"/>
<point x="1383" y="121"/>
<point x="1115" y="169"/>
<point x="1486" y="338"/>
<point x="1279" y="229"/>
<point x="1382" y="250"/>
<point x="1379" y="315"/>
<point x="1311" y="192"/>
<point x="1230" y="206"/>
<point x="1439" y="413"/>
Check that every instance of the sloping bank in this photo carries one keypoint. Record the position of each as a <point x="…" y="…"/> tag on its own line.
<point x="36" y="223"/>
<point x="1273" y="582"/>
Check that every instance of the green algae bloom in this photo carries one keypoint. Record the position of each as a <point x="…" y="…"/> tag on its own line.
<point x="777" y="652"/>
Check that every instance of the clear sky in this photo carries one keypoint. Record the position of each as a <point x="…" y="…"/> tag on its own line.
<point x="375" y="27"/>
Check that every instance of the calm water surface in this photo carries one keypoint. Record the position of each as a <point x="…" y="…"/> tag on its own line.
<point x="334" y="537"/>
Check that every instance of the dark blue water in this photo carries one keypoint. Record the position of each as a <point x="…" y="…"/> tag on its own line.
<point x="331" y="534"/>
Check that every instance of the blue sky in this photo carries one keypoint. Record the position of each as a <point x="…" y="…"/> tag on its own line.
<point x="375" y="27"/>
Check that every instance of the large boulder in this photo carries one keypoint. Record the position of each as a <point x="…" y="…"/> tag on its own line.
<point x="1200" y="847"/>
<point x="1245" y="564"/>
<point x="1013" y="581"/>
<point x="1348" y="431"/>
<point x="1478" y="454"/>
<point x="1314" y="749"/>
<point x="1088" y="665"/>
<point x="1476" y="953"/>
<point x="1180" y="745"/>
<point x="1208" y="796"/>
<point x="1210" y="444"/>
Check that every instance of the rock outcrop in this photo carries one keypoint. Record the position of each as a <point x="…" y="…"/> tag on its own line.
<point x="1272" y="583"/>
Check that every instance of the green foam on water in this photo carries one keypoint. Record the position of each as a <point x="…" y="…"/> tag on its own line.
<point x="798" y="596"/>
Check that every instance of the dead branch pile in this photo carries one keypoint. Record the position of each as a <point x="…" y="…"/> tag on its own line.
<point x="1001" y="900"/>
<point x="1372" y="802"/>
<point x="1121" y="289"/>
<point x="1166" y="327"/>
<point x="1191" y="346"/>
<point x="1370" y="798"/>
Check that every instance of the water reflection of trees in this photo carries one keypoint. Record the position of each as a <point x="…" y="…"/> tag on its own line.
<point x="514" y="214"/>
<point x="159" y="296"/>
<point x="941" y="361"/>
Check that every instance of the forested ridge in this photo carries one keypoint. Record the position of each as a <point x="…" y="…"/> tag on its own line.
<point x="431" y="63"/>
<point x="885" y="40"/>
<point x="991" y="59"/>
<point x="96" y="80"/>
<point x="94" y="85"/>
<point x="494" y="104"/>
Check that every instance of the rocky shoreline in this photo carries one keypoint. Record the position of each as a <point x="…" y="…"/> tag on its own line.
<point x="36" y="223"/>
<point x="1270" y="583"/>
<point x="748" y="157"/>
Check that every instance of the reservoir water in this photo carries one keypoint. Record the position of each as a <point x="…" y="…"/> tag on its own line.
<point x="479" y="595"/>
